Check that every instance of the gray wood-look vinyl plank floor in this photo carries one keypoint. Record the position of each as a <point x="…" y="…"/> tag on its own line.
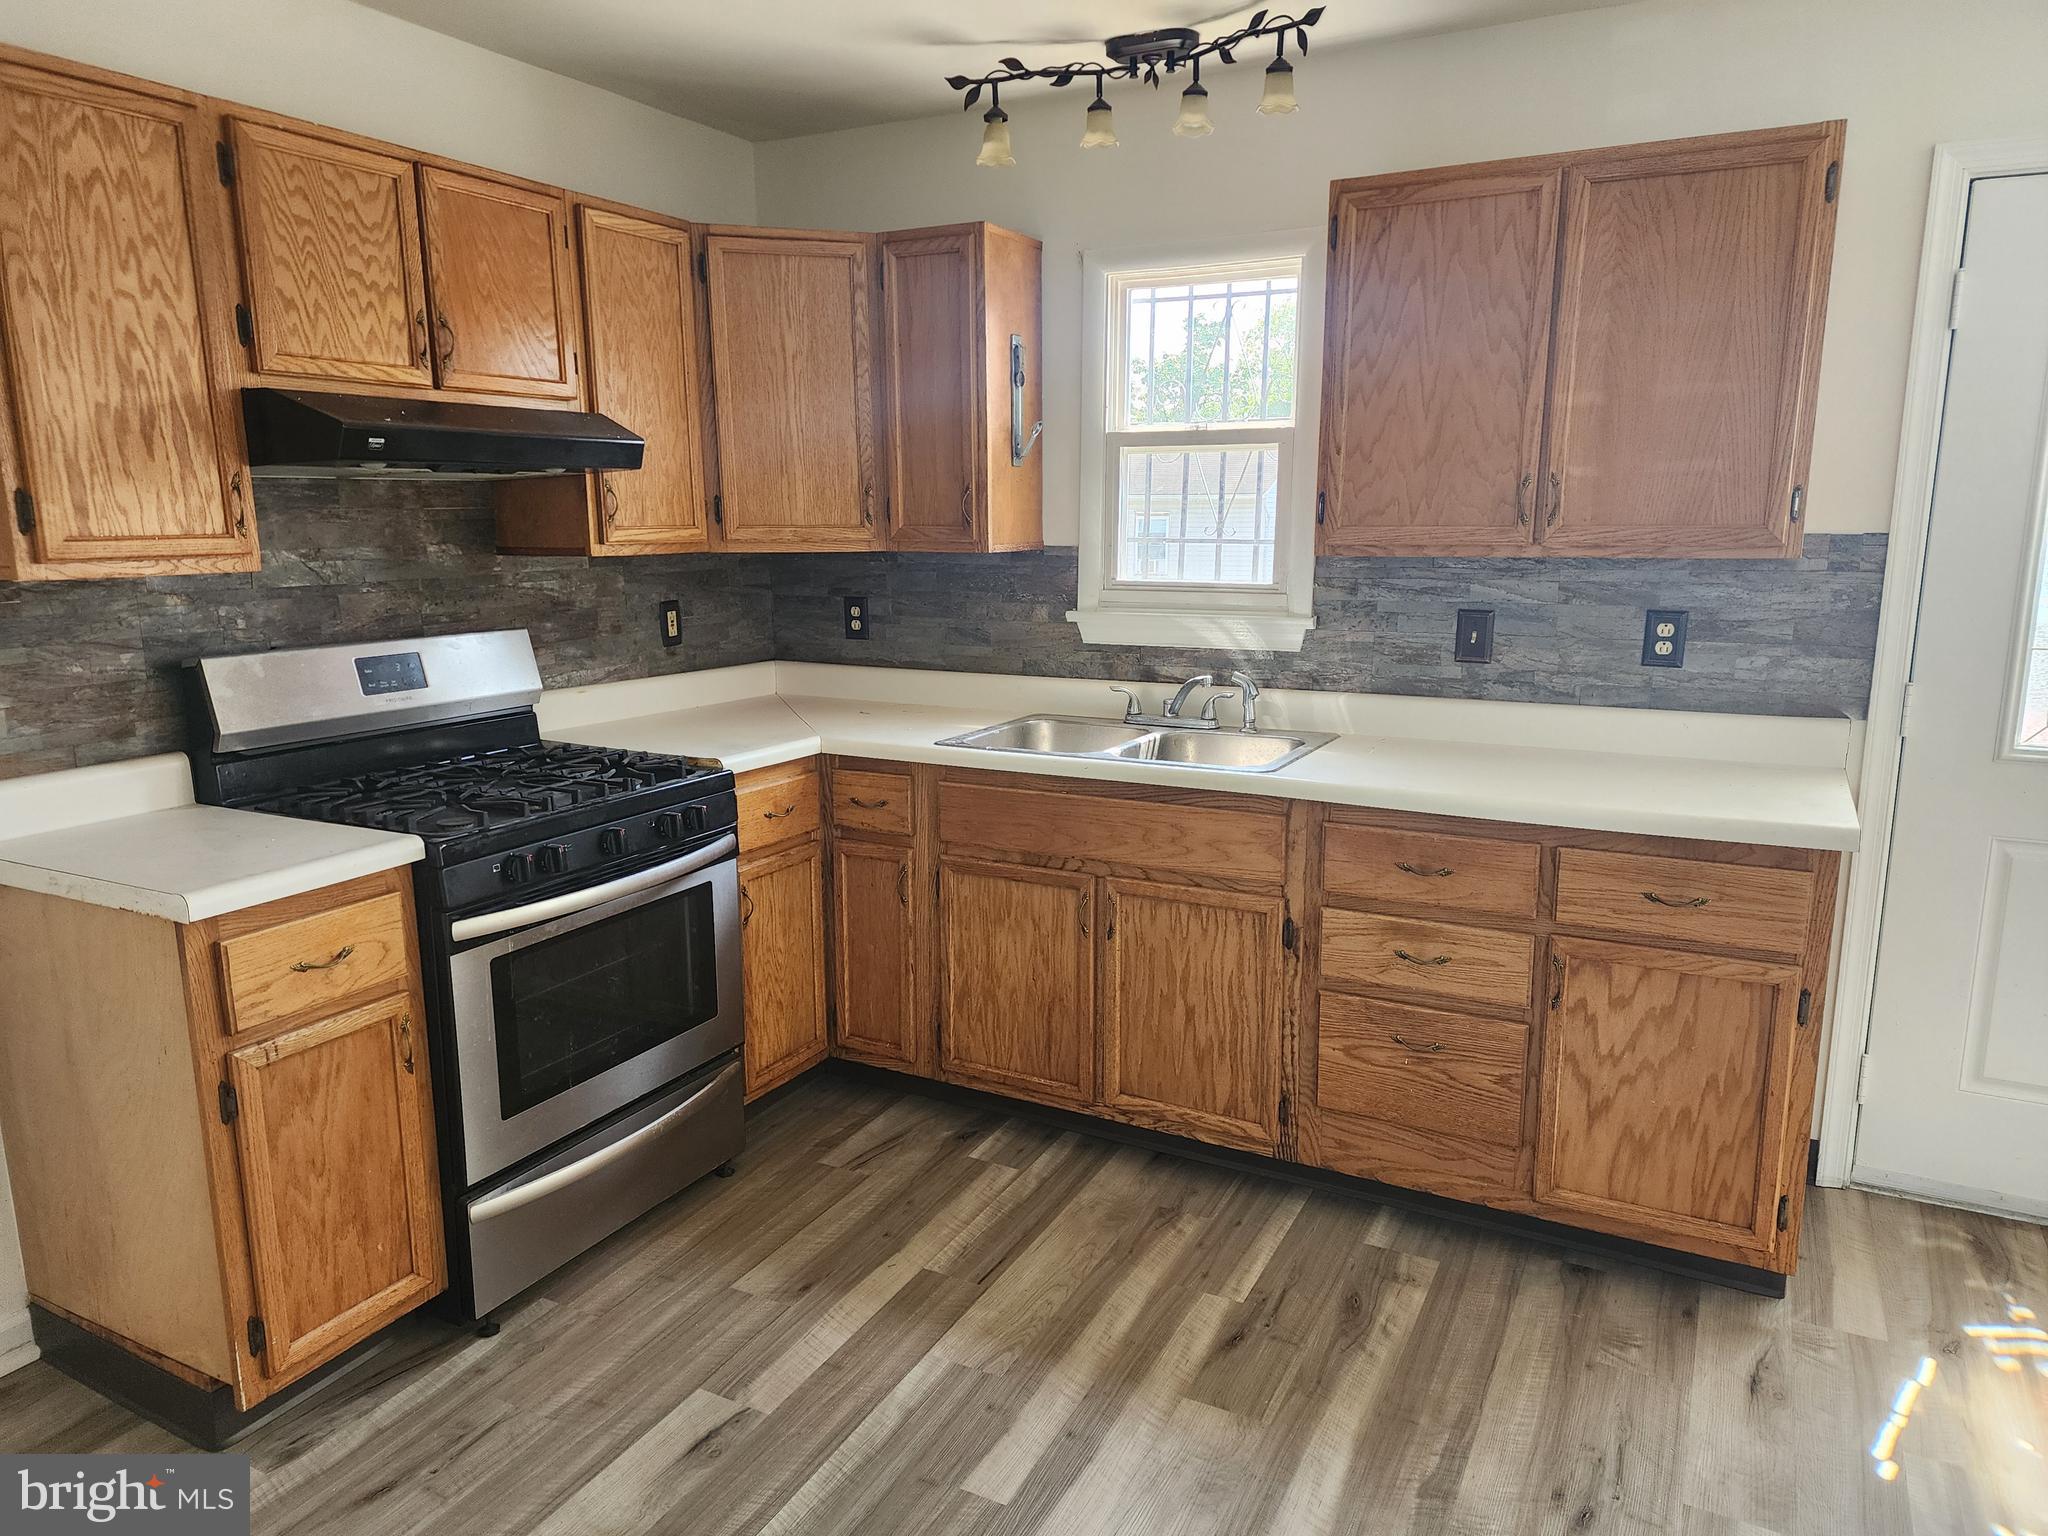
<point x="911" y="1317"/>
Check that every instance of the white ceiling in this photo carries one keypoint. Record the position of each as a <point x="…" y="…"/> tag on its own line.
<point x="776" y="70"/>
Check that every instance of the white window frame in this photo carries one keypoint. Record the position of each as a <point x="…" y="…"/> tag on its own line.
<point x="1271" y="617"/>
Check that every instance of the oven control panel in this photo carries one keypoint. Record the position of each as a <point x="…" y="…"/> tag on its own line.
<point x="586" y="855"/>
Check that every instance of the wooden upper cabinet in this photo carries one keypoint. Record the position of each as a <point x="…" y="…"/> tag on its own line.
<point x="1017" y="979"/>
<point x="1438" y="335"/>
<point x="1192" y="981"/>
<point x="1665" y="1090"/>
<point x="1692" y="291"/>
<point x="331" y="258"/>
<point x="792" y="376"/>
<point x="501" y="285"/>
<point x="125" y="453"/>
<point x="951" y="300"/>
<point x="332" y="1131"/>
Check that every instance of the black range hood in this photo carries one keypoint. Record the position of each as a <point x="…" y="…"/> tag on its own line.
<point x="307" y="433"/>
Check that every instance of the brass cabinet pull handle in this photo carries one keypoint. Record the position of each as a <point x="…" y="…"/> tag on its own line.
<point x="1411" y="1045"/>
<point x="241" y="503"/>
<point x="967" y="507"/>
<point x="419" y="325"/>
<point x="867" y="805"/>
<point x="405" y="1040"/>
<point x="1402" y="954"/>
<point x="611" y="501"/>
<point x="1557" y="985"/>
<point x="447" y="338"/>
<point x="1556" y="499"/>
<point x="1522" y="499"/>
<point x="787" y="810"/>
<point x="329" y="963"/>
<point x="1675" y="901"/>
<point x="746" y="907"/>
<point x="903" y="884"/>
<point x="1428" y="874"/>
<point x="1084" y="912"/>
<point x="867" y="504"/>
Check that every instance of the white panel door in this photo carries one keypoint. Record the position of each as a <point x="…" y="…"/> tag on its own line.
<point x="1955" y="1097"/>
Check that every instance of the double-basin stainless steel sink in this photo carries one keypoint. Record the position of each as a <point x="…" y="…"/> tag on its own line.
<point x="1181" y="746"/>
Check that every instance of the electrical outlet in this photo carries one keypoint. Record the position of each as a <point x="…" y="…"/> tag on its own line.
<point x="1664" y="637"/>
<point x="671" y="622"/>
<point x="856" y="618"/>
<point x="1474" y="640"/>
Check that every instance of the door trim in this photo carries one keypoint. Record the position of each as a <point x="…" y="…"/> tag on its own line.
<point x="1956" y="166"/>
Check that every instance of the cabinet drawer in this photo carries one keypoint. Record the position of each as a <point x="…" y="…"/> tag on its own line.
<point x="1470" y="965"/>
<point x="1420" y="1068"/>
<point x="316" y="962"/>
<point x="777" y="805"/>
<point x="864" y="801"/>
<point x="1430" y="869"/>
<point x="1734" y="906"/>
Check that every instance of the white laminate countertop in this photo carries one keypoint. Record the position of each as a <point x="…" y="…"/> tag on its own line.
<point x="1689" y="781"/>
<point x="149" y="853"/>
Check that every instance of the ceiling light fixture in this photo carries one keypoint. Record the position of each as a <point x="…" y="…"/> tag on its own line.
<point x="1146" y="56"/>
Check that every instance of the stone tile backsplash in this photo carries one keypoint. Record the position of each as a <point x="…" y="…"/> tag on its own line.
<point x="88" y="670"/>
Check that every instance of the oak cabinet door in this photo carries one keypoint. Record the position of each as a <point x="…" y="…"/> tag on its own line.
<point x="1693" y="285"/>
<point x="114" y="333"/>
<point x="1192" y="982"/>
<point x="1438" y="331"/>
<point x="500" y="284"/>
<point x="782" y="963"/>
<point x="331" y="253"/>
<point x="1664" y="1091"/>
<point x="932" y="370"/>
<point x="338" y="1180"/>
<point x="875" y="952"/>
<point x="791" y="374"/>
<point x="638" y="294"/>
<point x="1017" y="981"/>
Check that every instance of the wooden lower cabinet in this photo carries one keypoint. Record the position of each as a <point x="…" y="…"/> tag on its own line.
<point x="875" y="953"/>
<point x="1666" y="1078"/>
<point x="232" y="1205"/>
<point x="1017" y="979"/>
<point x="782" y="961"/>
<point x="1192" y="988"/>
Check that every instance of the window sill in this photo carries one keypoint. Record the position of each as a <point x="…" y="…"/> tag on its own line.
<point x="1189" y="629"/>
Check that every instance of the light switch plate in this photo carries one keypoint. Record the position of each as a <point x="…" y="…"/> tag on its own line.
<point x="1474" y="640"/>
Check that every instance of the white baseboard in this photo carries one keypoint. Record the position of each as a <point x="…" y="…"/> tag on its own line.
<point x="17" y="1346"/>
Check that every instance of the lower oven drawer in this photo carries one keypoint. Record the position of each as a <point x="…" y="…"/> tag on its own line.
<point x="537" y="1221"/>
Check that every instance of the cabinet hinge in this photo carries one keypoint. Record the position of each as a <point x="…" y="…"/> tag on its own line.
<point x="1286" y="1109"/>
<point x="1955" y="300"/>
<point x="1805" y="1007"/>
<point x="230" y="1104"/>
<point x="703" y="267"/>
<point x="258" y="1336"/>
<point x="1784" y="1212"/>
<point x="1863" y="1080"/>
<point x="1798" y="501"/>
<point x="245" y="326"/>
<point x="718" y="510"/>
<point x="224" y="162"/>
<point x="1322" y="506"/>
<point x="1906" y="712"/>
<point x="24" y="510"/>
<point x="1333" y="231"/>
<point x="1834" y="181"/>
<point x="1289" y="934"/>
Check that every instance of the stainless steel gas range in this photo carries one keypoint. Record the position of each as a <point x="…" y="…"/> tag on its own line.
<point x="579" y="916"/>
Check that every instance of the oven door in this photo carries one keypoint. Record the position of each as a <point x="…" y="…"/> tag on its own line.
<point x="569" y="1008"/>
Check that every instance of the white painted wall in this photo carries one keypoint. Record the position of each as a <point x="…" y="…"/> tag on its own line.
<point x="1906" y="74"/>
<point x="346" y="66"/>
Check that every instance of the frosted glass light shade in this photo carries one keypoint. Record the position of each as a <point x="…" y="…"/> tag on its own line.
<point x="995" y="141"/>
<point x="1279" y="93"/>
<point x="1193" y="121"/>
<point x="1101" y="132"/>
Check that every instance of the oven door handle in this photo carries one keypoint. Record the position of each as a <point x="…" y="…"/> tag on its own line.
<point x="487" y="923"/>
<point x="507" y="1201"/>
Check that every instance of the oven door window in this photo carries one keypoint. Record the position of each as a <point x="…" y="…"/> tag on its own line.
<point x="579" y="1004"/>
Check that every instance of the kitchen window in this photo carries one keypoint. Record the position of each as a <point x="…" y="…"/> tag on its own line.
<point x="1197" y="522"/>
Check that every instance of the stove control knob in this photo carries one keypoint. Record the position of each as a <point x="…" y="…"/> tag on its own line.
<point x="669" y="826"/>
<point x="551" y="858"/>
<point x="516" y="869"/>
<point x="696" y="817"/>
<point x="613" y="843"/>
